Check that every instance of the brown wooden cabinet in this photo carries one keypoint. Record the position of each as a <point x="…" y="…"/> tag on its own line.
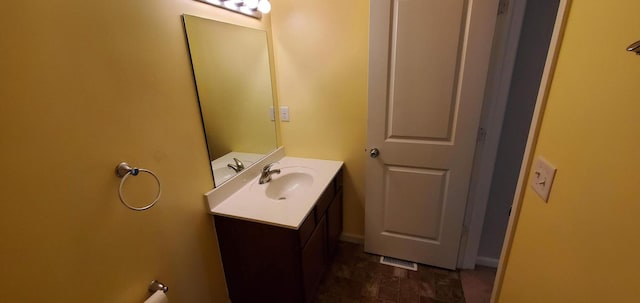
<point x="267" y="263"/>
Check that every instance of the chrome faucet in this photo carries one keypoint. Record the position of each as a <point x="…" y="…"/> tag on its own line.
<point x="238" y="167"/>
<point x="267" y="172"/>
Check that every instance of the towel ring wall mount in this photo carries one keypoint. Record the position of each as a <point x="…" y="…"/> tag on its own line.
<point x="124" y="170"/>
<point x="634" y="47"/>
<point x="156" y="286"/>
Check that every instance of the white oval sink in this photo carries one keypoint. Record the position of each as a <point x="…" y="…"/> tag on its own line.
<point x="288" y="185"/>
<point x="292" y="182"/>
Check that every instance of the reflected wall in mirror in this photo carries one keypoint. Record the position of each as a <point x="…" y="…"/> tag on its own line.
<point x="233" y="81"/>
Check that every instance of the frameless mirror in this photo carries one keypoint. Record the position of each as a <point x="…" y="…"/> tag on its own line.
<point x="233" y="82"/>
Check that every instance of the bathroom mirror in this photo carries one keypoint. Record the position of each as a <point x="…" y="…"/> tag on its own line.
<point x="233" y="82"/>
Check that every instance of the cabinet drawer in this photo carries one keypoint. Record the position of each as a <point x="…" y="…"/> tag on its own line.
<point x="307" y="227"/>
<point x="325" y="199"/>
<point x="338" y="181"/>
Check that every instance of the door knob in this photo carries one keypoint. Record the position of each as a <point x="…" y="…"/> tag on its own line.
<point x="374" y="153"/>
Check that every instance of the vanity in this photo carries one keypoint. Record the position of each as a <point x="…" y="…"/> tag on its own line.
<point x="276" y="239"/>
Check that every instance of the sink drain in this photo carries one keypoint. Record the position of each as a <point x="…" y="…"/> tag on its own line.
<point x="282" y="198"/>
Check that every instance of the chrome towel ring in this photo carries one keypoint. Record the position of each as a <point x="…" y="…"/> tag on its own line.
<point x="123" y="170"/>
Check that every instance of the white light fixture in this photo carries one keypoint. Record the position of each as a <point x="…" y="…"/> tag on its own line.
<point x="231" y="5"/>
<point x="253" y="8"/>
<point x="264" y="6"/>
<point x="251" y="4"/>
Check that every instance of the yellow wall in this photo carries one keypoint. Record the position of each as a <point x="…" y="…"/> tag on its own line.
<point x="321" y="53"/>
<point x="85" y="85"/>
<point x="583" y="245"/>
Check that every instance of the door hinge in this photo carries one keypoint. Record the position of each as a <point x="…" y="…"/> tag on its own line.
<point x="482" y="135"/>
<point x="503" y="7"/>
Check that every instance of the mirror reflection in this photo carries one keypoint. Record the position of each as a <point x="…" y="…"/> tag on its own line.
<point x="233" y="81"/>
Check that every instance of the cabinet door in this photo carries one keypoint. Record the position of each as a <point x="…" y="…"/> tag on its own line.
<point x="261" y="262"/>
<point x="334" y="223"/>
<point x="314" y="259"/>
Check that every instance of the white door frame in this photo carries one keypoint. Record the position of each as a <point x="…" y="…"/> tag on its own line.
<point x="534" y="130"/>
<point x="496" y="97"/>
<point x="503" y="57"/>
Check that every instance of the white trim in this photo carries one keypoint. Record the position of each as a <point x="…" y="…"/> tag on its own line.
<point x="488" y="262"/>
<point x="541" y="101"/>
<point x="352" y="238"/>
<point x="503" y="59"/>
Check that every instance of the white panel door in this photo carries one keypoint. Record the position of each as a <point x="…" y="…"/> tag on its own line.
<point x="428" y="61"/>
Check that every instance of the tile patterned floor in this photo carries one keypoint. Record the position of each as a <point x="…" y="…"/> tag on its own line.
<point x="356" y="276"/>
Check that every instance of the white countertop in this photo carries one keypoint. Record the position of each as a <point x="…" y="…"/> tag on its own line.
<point x="250" y="202"/>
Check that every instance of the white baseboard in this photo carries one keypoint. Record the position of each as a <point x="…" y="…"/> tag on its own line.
<point x="352" y="238"/>
<point x="488" y="262"/>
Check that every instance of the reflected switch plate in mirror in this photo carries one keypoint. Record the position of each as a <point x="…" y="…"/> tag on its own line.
<point x="284" y="113"/>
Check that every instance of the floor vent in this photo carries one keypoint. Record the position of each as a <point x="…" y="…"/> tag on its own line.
<point x="399" y="263"/>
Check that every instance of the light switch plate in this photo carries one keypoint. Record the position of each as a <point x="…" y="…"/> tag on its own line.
<point x="542" y="177"/>
<point x="284" y="113"/>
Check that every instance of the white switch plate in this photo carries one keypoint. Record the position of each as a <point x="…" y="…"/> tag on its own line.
<point x="542" y="177"/>
<point x="272" y="114"/>
<point x="284" y="113"/>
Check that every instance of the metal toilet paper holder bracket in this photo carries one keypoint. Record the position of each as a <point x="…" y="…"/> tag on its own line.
<point x="157" y="285"/>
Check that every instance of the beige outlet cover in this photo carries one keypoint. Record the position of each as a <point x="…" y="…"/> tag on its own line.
<point x="542" y="176"/>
